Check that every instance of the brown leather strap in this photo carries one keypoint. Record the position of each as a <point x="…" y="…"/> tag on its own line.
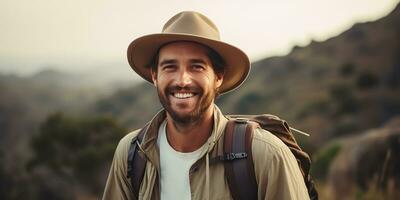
<point x="238" y="136"/>
<point x="250" y="165"/>
<point x="228" y="165"/>
<point x="136" y="164"/>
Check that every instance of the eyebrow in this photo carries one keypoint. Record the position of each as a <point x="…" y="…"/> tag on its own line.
<point x="168" y="61"/>
<point x="198" y="61"/>
<point x="174" y="61"/>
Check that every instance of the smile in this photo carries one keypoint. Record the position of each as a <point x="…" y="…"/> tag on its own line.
<point x="183" y="95"/>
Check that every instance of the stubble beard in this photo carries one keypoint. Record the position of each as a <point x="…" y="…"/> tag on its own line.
<point x="202" y="105"/>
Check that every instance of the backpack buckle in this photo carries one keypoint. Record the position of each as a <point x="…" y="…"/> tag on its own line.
<point x="234" y="156"/>
<point x="241" y="120"/>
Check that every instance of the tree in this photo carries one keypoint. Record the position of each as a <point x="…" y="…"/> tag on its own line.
<point x="76" y="149"/>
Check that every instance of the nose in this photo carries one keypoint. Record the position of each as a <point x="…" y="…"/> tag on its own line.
<point x="184" y="78"/>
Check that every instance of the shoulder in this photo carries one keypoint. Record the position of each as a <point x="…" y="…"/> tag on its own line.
<point x="128" y="137"/>
<point x="276" y="169"/>
<point x="124" y="144"/>
<point x="118" y="186"/>
<point x="266" y="141"/>
<point x="122" y="151"/>
<point x="268" y="149"/>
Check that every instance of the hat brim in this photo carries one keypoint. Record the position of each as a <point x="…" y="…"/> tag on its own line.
<point x="142" y="50"/>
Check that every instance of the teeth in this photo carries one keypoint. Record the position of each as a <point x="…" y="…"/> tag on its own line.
<point x="183" y="95"/>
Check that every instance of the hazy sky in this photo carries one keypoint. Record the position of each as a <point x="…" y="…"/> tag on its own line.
<point x="77" y="35"/>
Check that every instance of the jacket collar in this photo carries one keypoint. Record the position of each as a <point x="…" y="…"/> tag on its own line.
<point x="149" y="144"/>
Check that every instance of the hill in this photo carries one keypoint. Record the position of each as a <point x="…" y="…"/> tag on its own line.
<point x="340" y="86"/>
<point x="334" y="89"/>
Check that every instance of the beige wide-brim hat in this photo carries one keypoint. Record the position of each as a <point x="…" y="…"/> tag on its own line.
<point x="194" y="27"/>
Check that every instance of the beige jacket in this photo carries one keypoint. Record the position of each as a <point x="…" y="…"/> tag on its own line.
<point x="277" y="173"/>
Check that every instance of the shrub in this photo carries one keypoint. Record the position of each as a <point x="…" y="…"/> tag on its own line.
<point x="347" y="69"/>
<point x="315" y="107"/>
<point x="323" y="159"/>
<point x="76" y="149"/>
<point x="367" y="80"/>
<point x="343" y="99"/>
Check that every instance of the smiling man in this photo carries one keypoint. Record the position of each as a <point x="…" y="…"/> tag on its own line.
<point x="187" y="86"/>
<point x="177" y="155"/>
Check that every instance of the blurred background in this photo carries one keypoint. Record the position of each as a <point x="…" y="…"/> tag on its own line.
<point x="67" y="93"/>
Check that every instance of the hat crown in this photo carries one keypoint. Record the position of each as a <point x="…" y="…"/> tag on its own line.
<point x="192" y="23"/>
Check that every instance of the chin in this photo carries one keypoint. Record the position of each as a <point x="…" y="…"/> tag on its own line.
<point x="186" y="116"/>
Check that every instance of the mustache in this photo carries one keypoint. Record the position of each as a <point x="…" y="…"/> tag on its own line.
<point x="176" y="88"/>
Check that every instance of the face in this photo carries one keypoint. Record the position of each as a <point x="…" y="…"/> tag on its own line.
<point x="185" y="80"/>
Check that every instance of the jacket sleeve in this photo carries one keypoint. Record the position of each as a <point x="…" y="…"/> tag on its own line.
<point x="277" y="172"/>
<point x="118" y="186"/>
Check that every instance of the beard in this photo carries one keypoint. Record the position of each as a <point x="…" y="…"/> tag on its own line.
<point x="203" y="103"/>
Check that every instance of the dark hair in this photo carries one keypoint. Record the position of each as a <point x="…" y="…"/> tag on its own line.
<point x="217" y="61"/>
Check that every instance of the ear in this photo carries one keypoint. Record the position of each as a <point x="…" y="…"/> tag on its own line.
<point x="219" y="78"/>
<point x="153" y="76"/>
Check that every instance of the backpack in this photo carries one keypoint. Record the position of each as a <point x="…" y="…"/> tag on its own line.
<point x="237" y="157"/>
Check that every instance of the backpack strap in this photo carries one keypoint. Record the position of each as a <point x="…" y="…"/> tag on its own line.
<point x="277" y="127"/>
<point x="136" y="164"/>
<point x="239" y="167"/>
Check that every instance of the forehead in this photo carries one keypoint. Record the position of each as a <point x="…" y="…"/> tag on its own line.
<point x="183" y="49"/>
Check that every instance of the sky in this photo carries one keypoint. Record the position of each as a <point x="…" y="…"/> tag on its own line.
<point x="84" y="35"/>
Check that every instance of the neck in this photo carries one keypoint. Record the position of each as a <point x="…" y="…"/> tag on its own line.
<point x="190" y="137"/>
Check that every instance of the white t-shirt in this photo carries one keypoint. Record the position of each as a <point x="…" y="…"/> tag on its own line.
<point x="175" y="166"/>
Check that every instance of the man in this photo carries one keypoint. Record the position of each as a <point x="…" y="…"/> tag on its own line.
<point x="190" y="67"/>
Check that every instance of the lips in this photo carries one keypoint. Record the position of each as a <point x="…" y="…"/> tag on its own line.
<point x="183" y="92"/>
<point x="183" y="95"/>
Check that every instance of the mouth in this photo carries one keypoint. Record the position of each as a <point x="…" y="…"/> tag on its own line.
<point x="183" y="95"/>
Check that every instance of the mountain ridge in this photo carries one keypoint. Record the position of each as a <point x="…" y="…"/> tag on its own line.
<point x="335" y="89"/>
<point x="340" y="79"/>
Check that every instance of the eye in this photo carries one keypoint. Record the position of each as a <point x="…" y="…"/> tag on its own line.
<point x="198" y="67"/>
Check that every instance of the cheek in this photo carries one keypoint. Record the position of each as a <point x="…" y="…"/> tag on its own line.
<point x="204" y="81"/>
<point x="212" y="80"/>
<point x="162" y="80"/>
